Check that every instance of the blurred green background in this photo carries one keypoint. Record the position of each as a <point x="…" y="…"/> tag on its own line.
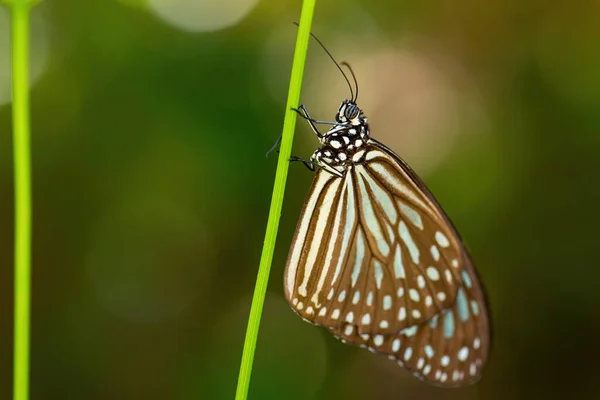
<point x="150" y="123"/>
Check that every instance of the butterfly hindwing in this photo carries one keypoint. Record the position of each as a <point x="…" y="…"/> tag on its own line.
<point x="449" y="350"/>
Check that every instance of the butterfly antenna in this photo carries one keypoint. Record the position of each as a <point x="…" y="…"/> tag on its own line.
<point x="335" y="62"/>
<point x="345" y="64"/>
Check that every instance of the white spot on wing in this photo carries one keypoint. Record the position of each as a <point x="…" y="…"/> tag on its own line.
<point x="455" y="375"/>
<point x="445" y="361"/>
<point x="402" y="314"/>
<point x="442" y="239"/>
<point x="387" y="302"/>
<point x="412" y="214"/>
<point x="435" y="252"/>
<point x="410" y="244"/>
<point x="448" y="275"/>
<point x="466" y="279"/>
<point x="349" y="329"/>
<point x="374" y="154"/>
<point x="410" y="331"/>
<point x="358" y="156"/>
<point x="429" y="351"/>
<point x="390" y="231"/>
<point x="414" y="295"/>
<point x="472" y="369"/>
<point x="475" y="307"/>
<point x="350" y="317"/>
<point x="360" y="255"/>
<point x="428" y="301"/>
<point x="366" y="319"/>
<point x="398" y="266"/>
<point x="433" y="273"/>
<point x="378" y="273"/>
<point x="449" y="325"/>
<point x="462" y="305"/>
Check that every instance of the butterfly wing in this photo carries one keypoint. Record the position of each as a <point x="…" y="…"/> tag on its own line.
<point x="449" y="350"/>
<point x="377" y="261"/>
<point x="373" y="248"/>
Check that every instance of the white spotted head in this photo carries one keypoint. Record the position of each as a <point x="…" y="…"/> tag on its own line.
<point x="350" y="114"/>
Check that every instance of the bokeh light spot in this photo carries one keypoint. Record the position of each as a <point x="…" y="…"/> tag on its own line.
<point x="38" y="50"/>
<point x="415" y="100"/>
<point x="201" y="16"/>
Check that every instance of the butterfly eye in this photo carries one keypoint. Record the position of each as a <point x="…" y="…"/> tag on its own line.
<point x="351" y="112"/>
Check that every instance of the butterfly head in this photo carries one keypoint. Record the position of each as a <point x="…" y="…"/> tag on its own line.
<point x="350" y="114"/>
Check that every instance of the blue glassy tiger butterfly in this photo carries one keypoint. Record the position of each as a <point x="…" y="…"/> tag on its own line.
<point x="377" y="262"/>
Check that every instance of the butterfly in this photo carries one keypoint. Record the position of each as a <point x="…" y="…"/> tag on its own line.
<point x="377" y="262"/>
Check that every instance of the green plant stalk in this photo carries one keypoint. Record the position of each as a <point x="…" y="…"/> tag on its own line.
<point x="285" y="151"/>
<point x="22" y="289"/>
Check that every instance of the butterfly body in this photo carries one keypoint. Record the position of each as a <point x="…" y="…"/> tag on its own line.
<point x="377" y="262"/>
<point x="343" y="145"/>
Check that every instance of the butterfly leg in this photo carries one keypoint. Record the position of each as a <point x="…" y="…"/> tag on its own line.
<point x="317" y="158"/>
<point x="303" y="112"/>
<point x="274" y="146"/>
<point x="310" y="164"/>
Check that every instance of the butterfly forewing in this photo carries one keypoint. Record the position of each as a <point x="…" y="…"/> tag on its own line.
<point x="370" y="247"/>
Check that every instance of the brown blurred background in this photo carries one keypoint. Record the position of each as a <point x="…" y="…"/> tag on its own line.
<point x="150" y="123"/>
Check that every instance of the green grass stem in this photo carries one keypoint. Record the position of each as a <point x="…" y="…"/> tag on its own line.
<point x="22" y="170"/>
<point x="285" y="151"/>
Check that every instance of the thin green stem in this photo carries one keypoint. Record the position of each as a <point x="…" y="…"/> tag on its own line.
<point x="22" y="299"/>
<point x="285" y="150"/>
